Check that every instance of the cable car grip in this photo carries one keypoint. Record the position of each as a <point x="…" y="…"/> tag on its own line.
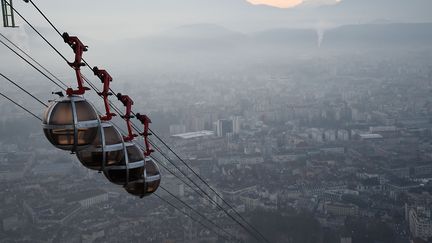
<point x="104" y="76"/>
<point x="79" y="48"/>
<point x="145" y="120"/>
<point x="127" y="102"/>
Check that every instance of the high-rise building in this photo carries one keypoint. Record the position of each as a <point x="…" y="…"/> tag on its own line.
<point x="236" y="120"/>
<point x="223" y="127"/>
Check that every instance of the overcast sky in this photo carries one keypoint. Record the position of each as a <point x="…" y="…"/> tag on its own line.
<point x="114" y="19"/>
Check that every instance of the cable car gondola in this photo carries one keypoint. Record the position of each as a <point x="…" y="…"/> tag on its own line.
<point x="71" y="123"/>
<point x="107" y="149"/>
<point x="148" y="183"/>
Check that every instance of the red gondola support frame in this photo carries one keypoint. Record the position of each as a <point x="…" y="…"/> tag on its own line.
<point x="145" y="120"/>
<point x="79" y="48"/>
<point x="127" y="102"/>
<point x="104" y="76"/>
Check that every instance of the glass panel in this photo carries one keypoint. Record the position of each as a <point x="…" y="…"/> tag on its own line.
<point x="152" y="186"/>
<point x="114" y="157"/>
<point x="85" y="111"/>
<point x="86" y="136"/>
<point x="151" y="168"/>
<point x="97" y="141"/>
<point x="136" y="173"/>
<point x="45" y="116"/>
<point x="134" y="154"/>
<point x="117" y="176"/>
<point x="61" y="114"/>
<point x="95" y="159"/>
<point x="92" y="160"/>
<point x="111" y="136"/>
<point x="136" y="188"/>
<point x="60" y="136"/>
<point x="122" y="162"/>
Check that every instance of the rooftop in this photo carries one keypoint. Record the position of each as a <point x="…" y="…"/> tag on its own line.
<point x="370" y="136"/>
<point x="78" y="196"/>
<point x="198" y="134"/>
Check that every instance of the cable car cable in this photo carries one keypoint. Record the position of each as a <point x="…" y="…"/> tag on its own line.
<point x="21" y="88"/>
<point x="55" y="28"/>
<point x="31" y="64"/>
<point x="27" y="22"/>
<point x="22" y="107"/>
<point x="178" y="209"/>
<point x="44" y="16"/>
<point x="31" y="58"/>
<point x="200" y="214"/>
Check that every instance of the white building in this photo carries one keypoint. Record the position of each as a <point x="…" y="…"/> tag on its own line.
<point x="379" y="129"/>
<point x="370" y="136"/>
<point x="88" y="198"/>
<point x="316" y="134"/>
<point x="343" y="135"/>
<point x="340" y="209"/>
<point x="330" y="135"/>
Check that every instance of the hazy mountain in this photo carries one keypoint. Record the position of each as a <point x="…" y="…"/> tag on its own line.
<point x="380" y="35"/>
<point x="202" y="31"/>
<point x="285" y="37"/>
<point x="212" y="37"/>
<point x="361" y="35"/>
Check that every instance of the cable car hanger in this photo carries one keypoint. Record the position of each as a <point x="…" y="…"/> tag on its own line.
<point x="145" y="120"/>
<point x="104" y="76"/>
<point x="127" y="102"/>
<point x="79" y="48"/>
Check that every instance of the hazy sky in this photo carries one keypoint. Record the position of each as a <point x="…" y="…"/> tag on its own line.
<point x="107" y="20"/>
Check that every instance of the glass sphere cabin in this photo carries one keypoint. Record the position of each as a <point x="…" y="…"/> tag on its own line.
<point x="71" y="123"/>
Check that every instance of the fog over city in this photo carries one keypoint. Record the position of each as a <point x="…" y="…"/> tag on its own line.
<point x="291" y="121"/>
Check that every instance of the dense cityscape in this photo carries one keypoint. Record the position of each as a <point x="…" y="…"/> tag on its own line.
<point x="348" y="161"/>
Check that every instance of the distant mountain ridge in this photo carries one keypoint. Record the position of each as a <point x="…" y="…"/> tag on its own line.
<point x="362" y="35"/>
<point x="402" y="34"/>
